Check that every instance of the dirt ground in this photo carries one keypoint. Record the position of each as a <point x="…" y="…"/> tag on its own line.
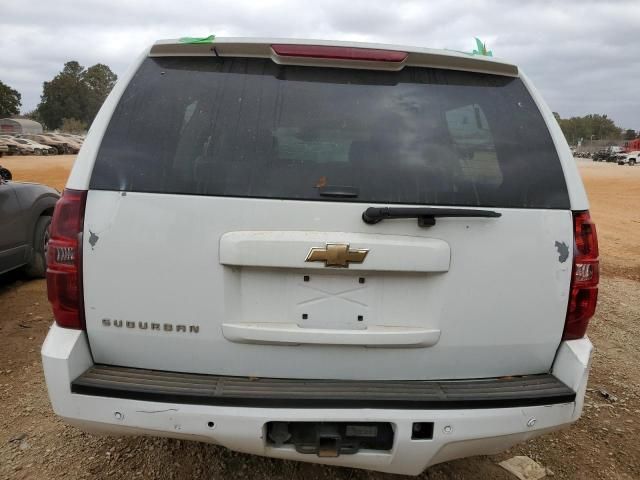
<point x="604" y="443"/>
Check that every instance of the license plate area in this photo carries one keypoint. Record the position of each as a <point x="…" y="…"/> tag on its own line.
<point x="330" y="439"/>
<point x="333" y="301"/>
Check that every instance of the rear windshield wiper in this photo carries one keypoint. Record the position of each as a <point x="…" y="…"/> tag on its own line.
<point x="426" y="215"/>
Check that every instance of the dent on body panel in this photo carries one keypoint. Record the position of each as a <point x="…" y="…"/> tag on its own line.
<point x="563" y="251"/>
<point x="558" y="239"/>
<point x="104" y="208"/>
<point x="93" y="239"/>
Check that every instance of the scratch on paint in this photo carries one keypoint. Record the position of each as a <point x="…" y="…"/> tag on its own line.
<point x="157" y="411"/>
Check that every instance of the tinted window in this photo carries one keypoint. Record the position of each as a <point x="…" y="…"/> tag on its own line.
<point x="252" y="128"/>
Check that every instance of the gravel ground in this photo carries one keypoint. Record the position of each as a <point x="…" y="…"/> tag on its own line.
<point x="604" y="443"/>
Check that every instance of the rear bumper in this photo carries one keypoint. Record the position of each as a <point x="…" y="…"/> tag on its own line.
<point x="459" y="430"/>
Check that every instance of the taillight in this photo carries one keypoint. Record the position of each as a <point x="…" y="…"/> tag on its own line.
<point x="585" y="275"/>
<point x="339" y="53"/>
<point x="64" y="260"/>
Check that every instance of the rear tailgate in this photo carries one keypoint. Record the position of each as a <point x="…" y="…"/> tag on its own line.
<point x="218" y="178"/>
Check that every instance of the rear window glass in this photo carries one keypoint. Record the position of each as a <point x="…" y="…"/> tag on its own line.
<point x="251" y="128"/>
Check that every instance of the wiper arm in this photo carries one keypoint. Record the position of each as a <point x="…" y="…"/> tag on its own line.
<point x="426" y="215"/>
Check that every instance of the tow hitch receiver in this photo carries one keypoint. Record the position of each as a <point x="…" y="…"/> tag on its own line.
<point x="330" y="439"/>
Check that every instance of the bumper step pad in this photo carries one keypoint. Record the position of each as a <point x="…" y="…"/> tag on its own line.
<point x="197" y="389"/>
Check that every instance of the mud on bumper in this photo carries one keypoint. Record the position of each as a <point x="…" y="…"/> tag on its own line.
<point x="462" y="418"/>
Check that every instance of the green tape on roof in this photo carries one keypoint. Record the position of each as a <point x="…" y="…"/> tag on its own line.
<point x="208" y="39"/>
<point x="482" y="49"/>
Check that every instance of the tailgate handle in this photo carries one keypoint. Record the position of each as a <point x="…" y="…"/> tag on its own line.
<point x="291" y="334"/>
<point x="426" y="215"/>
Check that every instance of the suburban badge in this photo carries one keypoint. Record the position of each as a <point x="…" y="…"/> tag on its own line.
<point x="165" y="327"/>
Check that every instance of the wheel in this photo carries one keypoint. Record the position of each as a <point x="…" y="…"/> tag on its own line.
<point x="37" y="151"/>
<point x="5" y="174"/>
<point x="632" y="162"/>
<point x="37" y="267"/>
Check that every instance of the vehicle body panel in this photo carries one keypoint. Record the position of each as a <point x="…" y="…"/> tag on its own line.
<point x="218" y="294"/>
<point x="21" y="204"/>
<point x="13" y="241"/>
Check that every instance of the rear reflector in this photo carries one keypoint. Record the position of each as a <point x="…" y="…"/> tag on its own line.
<point x="339" y="53"/>
<point x="64" y="256"/>
<point x="585" y="276"/>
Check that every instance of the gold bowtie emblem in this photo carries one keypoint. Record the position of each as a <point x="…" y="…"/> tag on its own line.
<point x="336" y="255"/>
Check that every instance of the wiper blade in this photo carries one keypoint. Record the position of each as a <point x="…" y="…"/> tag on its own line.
<point x="426" y="215"/>
<point x="340" y="191"/>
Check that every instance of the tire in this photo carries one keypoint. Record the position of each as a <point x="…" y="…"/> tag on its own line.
<point x="5" y="174"/>
<point x="632" y="163"/>
<point x="37" y="151"/>
<point x="37" y="267"/>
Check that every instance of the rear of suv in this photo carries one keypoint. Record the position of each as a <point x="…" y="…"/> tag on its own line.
<point x="352" y="254"/>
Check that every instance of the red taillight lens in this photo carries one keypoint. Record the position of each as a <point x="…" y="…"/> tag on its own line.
<point x="585" y="276"/>
<point x="64" y="255"/>
<point x="339" y="53"/>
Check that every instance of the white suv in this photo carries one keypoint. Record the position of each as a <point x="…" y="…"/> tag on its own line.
<point x="629" y="158"/>
<point x="361" y="255"/>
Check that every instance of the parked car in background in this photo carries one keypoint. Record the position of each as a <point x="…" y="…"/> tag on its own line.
<point x="608" y="154"/>
<point x="24" y="224"/>
<point x="600" y="155"/>
<point x="15" y="147"/>
<point x="39" y="147"/>
<point x="72" y="145"/>
<point x="630" y="158"/>
<point x="76" y="138"/>
<point x="369" y="278"/>
<point x="26" y="146"/>
<point x="60" y="145"/>
<point x="4" y="148"/>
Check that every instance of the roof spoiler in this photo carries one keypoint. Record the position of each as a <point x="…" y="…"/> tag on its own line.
<point x="346" y="54"/>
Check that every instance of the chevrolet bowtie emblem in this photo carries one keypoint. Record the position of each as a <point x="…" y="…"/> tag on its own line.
<point x="336" y="255"/>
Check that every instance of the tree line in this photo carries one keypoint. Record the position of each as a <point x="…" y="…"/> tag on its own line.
<point x="69" y="101"/>
<point x="593" y="127"/>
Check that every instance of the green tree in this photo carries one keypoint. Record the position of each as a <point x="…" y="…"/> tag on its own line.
<point x="629" y="134"/>
<point x="63" y="97"/>
<point x="99" y="80"/>
<point x="75" y="93"/>
<point x="590" y="126"/>
<point x="10" y="101"/>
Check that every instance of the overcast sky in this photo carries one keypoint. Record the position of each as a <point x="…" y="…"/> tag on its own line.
<point x="583" y="55"/>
